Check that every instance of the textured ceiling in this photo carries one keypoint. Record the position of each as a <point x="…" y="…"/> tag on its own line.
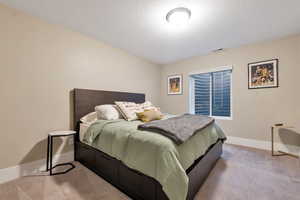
<point x="140" y="28"/>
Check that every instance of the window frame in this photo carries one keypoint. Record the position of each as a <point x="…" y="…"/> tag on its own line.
<point x="192" y="92"/>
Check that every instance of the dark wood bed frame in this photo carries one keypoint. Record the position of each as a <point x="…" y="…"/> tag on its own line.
<point x="133" y="183"/>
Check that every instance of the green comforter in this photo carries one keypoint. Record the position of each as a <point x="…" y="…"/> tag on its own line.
<point x="151" y="153"/>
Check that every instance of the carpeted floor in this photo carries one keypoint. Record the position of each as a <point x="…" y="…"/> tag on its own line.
<point x="241" y="174"/>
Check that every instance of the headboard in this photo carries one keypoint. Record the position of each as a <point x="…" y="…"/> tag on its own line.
<point x="85" y="101"/>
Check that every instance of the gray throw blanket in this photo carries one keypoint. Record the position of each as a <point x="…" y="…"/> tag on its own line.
<point x="180" y="128"/>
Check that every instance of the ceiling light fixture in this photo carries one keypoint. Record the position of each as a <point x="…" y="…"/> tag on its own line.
<point x="179" y="16"/>
<point x="218" y="50"/>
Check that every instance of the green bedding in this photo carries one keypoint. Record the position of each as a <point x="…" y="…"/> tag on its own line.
<point x="151" y="153"/>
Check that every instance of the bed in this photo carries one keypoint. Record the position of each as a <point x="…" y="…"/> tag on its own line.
<point x="132" y="182"/>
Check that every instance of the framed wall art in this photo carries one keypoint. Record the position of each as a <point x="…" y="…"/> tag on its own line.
<point x="263" y="74"/>
<point x="174" y="84"/>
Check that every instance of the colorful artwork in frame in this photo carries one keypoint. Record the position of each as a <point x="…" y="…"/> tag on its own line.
<point x="174" y="84"/>
<point x="263" y="74"/>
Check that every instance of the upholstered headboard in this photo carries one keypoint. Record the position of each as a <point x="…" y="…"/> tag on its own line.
<point x="85" y="101"/>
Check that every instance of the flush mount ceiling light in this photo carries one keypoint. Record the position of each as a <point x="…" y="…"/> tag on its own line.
<point x="179" y="16"/>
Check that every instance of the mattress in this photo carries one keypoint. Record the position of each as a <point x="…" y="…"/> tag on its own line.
<point x="82" y="130"/>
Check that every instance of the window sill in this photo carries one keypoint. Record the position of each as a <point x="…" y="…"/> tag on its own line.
<point x="216" y="117"/>
<point x="221" y="118"/>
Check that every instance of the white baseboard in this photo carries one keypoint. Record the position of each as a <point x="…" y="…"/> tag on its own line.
<point x="265" y="145"/>
<point x="32" y="168"/>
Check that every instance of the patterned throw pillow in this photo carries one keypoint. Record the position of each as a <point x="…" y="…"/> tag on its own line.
<point x="148" y="106"/>
<point x="129" y="109"/>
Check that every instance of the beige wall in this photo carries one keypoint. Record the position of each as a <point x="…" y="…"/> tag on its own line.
<point x="39" y="65"/>
<point x="297" y="43"/>
<point x="254" y="111"/>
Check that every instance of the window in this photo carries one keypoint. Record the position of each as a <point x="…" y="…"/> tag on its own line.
<point x="210" y="93"/>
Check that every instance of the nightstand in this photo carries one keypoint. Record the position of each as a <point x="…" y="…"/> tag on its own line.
<point x="52" y="135"/>
<point x="279" y="126"/>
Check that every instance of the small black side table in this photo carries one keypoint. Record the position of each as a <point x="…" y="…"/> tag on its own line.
<point x="50" y="151"/>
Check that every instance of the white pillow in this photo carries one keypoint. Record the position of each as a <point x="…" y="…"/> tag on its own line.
<point x="89" y="118"/>
<point x="107" y="112"/>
